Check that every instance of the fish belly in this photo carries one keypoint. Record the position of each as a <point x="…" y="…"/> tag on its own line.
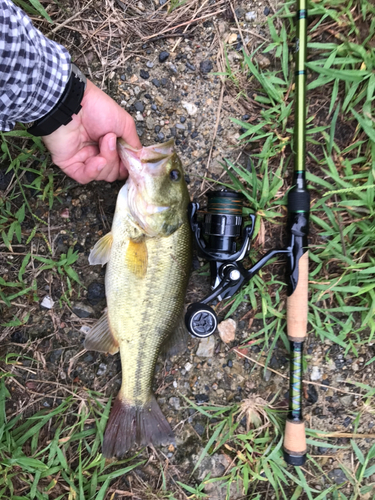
<point x="144" y="310"/>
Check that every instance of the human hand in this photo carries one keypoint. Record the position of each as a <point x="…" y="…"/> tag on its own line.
<point x="85" y="149"/>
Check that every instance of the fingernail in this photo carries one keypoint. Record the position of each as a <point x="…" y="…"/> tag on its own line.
<point x="100" y="167"/>
<point x="112" y="143"/>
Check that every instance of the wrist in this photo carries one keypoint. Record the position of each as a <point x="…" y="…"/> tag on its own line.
<point x="68" y="105"/>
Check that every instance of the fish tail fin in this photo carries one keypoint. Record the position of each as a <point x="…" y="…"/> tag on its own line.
<point x="135" y="425"/>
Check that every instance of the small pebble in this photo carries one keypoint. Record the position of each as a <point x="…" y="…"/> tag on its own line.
<point x="139" y="106"/>
<point x="102" y="369"/>
<point x="230" y="363"/>
<point x="188" y="366"/>
<point x="190" y="66"/>
<point x="147" y="96"/>
<point x="123" y="78"/>
<point x="205" y="66"/>
<point x="149" y="64"/>
<point x="201" y="398"/>
<point x="206" y="347"/>
<point x="161" y="136"/>
<point x="180" y="126"/>
<point x="18" y="337"/>
<point x="194" y="135"/>
<point x="163" y="56"/>
<point x="156" y="82"/>
<point x="227" y="330"/>
<point x="266" y="11"/>
<point x="182" y="119"/>
<point x="316" y="373"/>
<point x="95" y="293"/>
<point x="250" y="16"/>
<point x="154" y="107"/>
<point x="139" y="117"/>
<point x="164" y="82"/>
<point x="47" y="302"/>
<point x="157" y="129"/>
<point x="172" y="68"/>
<point x="175" y="403"/>
<point x="144" y="74"/>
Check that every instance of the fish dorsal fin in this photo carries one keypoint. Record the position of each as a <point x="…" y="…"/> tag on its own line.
<point x="136" y="257"/>
<point x="102" y="250"/>
<point x="100" y="337"/>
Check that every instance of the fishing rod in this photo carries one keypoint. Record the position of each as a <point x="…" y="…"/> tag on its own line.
<point x="218" y="227"/>
<point x="298" y="263"/>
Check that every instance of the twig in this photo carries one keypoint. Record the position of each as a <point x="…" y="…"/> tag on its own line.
<point x="287" y="378"/>
<point x="188" y="22"/>
<point x="215" y="129"/>
<point x="239" y="28"/>
<point x="67" y="21"/>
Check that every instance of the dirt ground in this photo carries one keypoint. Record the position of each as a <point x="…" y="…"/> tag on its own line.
<point x="181" y="97"/>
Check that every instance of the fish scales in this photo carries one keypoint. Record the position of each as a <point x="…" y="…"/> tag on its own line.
<point x="158" y="298"/>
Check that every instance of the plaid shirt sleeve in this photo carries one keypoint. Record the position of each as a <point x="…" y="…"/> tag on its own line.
<point x="33" y="69"/>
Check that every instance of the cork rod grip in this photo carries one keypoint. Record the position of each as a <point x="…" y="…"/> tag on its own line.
<point x="295" y="441"/>
<point x="297" y="303"/>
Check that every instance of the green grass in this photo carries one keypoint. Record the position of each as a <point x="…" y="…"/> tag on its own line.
<point x="56" y="453"/>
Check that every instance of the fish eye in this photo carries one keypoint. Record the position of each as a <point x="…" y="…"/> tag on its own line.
<point x="174" y="175"/>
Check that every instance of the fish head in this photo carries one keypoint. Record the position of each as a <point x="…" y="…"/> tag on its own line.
<point x="157" y="194"/>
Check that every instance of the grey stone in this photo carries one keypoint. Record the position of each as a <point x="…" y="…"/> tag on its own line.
<point x="346" y="400"/>
<point x="82" y="310"/>
<point x="206" y="347"/>
<point x="150" y="123"/>
<point x="175" y="403"/>
<point x="206" y="66"/>
<point x="149" y="64"/>
<point x="163" y="56"/>
<point x="338" y="476"/>
<point x="102" y="369"/>
<point x="267" y="375"/>
<point x="139" y="106"/>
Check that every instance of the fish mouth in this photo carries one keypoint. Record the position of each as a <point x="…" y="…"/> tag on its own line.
<point x="151" y="157"/>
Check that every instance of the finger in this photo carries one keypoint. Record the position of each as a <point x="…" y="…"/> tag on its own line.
<point x="85" y="172"/>
<point x="129" y="133"/>
<point x="108" y="151"/>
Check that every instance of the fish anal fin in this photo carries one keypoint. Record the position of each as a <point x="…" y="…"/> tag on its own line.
<point x="100" y="337"/>
<point x="177" y="341"/>
<point x="136" y="257"/>
<point x="102" y="250"/>
<point x="130" y="426"/>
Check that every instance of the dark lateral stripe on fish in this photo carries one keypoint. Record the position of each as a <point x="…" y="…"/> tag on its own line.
<point x="130" y="425"/>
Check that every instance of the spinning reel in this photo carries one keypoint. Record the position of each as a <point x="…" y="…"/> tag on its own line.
<point x="215" y="232"/>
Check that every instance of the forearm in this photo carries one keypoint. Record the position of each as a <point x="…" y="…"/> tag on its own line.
<point x="33" y="69"/>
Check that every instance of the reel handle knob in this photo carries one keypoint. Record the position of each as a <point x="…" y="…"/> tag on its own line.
<point x="200" y="320"/>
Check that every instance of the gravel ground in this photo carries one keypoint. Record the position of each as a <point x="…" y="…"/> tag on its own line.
<point x="174" y="94"/>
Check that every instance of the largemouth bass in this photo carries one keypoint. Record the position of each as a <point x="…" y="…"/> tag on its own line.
<point x="148" y="257"/>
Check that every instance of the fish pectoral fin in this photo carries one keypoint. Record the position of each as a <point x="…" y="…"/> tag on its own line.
<point x="136" y="257"/>
<point x="100" y="337"/>
<point x="102" y="250"/>
<point x="177" y="341"/>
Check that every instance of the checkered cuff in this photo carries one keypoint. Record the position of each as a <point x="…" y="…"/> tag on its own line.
<point x="33" y="70"/>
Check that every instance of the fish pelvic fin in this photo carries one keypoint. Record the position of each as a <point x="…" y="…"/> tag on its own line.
<point x="101" y="252"/>
<point x="130" y="426"/>
<point x="100" y="337"/>
<point x="136" y="257"/>
<point x="177" y="342"/>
